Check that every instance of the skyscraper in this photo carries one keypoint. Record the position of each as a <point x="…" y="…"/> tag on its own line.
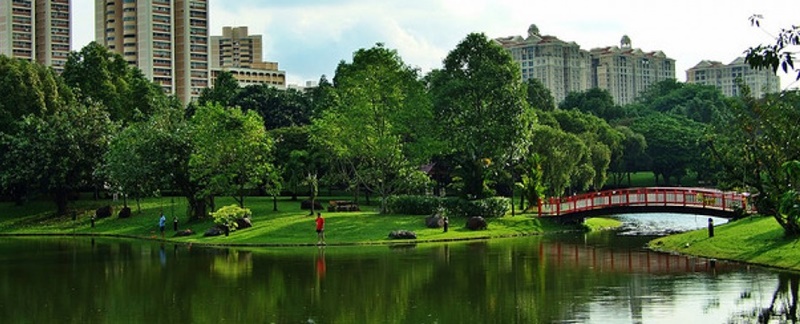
<point x="166" y="39"/>
<point x="240" y="54"/>
<point x="725" y="76"/>
<point x="36" y="30"/>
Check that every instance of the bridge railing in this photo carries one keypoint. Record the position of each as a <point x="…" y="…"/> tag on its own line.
<point x="653" y="196"/>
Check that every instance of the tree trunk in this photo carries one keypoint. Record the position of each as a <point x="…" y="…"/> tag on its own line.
<point x="61" y="199"/>
<point x="274" y="202"/>
<point x="197" y="207"/>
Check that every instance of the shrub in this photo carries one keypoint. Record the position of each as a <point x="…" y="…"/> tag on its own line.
<point x="489" y="207"/>
<point x="412" y="205"/>
<point x="227" y="216"/>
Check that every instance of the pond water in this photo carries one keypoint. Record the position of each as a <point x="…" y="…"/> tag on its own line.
<point x="569" y="278"/>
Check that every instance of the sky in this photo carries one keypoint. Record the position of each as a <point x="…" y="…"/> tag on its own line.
<point x="308" y="38"/>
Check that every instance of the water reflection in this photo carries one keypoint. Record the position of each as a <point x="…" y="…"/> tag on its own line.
<point x="568" y="278"/>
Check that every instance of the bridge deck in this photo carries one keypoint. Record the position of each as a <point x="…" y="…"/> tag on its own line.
<point x="655" y="198"/>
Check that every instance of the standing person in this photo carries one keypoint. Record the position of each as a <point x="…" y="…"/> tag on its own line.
<point x="162" y="222"/>
<point x="320" y="229"/>
<point x="446" y="224"/>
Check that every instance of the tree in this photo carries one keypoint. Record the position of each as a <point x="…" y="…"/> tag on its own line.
<point x="561" y="155"/>
<point x="480" y="107"/>
<point x="224" y="89"/>
<point x="539" y="97"/>
<point x="701" y="103"/>
<point x="377" y="129"/>
<point x="27" y="90"/>
<point x="633" y="157"/>
<point x="752" y="141"/>
<point x="99" y="76"/>
<point x="778" y="55"/>
<point x="596" y="101"/>
<point x="278" y="108"/>
<point x="231" y="151"/>
<point x="57" y="153"/>
<point x="672" y="144"/>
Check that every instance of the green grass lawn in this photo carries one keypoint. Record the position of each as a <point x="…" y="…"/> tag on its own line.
<point x="756" y="240"/>
<point x="288" y="226"/>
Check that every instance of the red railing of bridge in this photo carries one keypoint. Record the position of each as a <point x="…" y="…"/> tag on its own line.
<point x="654" y="196"/>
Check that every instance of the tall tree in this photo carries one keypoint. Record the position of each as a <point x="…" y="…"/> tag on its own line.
<point x="231" y="151"/>
<point x="752" y="141"/>
<point x="479" y="103"/>
<point x="224" y="89"/>
<point x="57" y="153"/>
<point x="596" y="101"/>
<point x="377" y="129"/>
<point x="673" y="144"/>
<point x="539" y="97"/>
<point x="105" y="78"/>
<point x="278" y="108"/>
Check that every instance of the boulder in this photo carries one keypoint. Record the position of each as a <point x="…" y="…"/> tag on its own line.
<point x="242" y="223"/>
<point x="434" y="221"/>
<point x="476" y="223"/>
<point x="103" y="212"/>
<point x="306" y="205"/>
<point x="186" y="232"/>
<point x="125" y="212"/>
<point x="403" y="235"/>
<point x="215" y="231"/>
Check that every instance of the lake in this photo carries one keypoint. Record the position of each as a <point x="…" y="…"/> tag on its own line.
<point x="567" y="278"/>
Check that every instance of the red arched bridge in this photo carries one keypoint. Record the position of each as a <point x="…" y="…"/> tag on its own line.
<point x="702" y="201"/>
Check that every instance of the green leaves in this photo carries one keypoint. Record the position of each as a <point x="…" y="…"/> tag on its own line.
<point x="480" y="109"/>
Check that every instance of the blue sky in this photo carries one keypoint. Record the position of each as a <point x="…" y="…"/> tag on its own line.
<point x="308" y="38"/>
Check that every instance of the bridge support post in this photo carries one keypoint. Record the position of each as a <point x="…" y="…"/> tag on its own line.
<point x="710" y="227"/>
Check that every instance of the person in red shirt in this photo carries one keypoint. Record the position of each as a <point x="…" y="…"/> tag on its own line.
<point x="320" y="229"/>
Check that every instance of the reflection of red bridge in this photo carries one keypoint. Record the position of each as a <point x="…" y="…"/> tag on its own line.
<point x="609" y="260"/>
<point x="701" y="201"/>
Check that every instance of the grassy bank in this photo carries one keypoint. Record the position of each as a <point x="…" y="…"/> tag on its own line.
<point x="288" y="226"/>
<point x="756" y="240"/>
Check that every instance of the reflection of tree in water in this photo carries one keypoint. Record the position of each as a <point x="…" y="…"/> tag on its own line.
<point x="784" y="300"/>
<point x="782" y="307"/>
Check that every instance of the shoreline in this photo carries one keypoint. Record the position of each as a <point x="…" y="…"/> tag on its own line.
<point x="755" y="240"/>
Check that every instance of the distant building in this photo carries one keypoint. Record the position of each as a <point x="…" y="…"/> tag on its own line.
<point x="626" y="71"/>
<point x="724" y="77"/>
<point x="562" y="67"/>
<point x="36" y="30"/>
<point x="241" y="54"/>
<point x="166" y="39"/>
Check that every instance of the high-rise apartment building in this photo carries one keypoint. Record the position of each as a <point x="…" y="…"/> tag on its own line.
<point x="166" y="39"/>
<point x="36" y="30"/>
<point x="562" y="67"/>
<point x="626" y="71"/>
<point x="241" y="54"/>
<point x="725" y="76"/>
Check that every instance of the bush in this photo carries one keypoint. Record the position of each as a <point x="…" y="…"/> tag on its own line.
<point x="489" y="207"/>
<point x="227" y="216"/>
<point x="412" y="205"/>
<point x="452" y="206"/>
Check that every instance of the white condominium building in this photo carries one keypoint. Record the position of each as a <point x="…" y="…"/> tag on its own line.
<point x="36" y="30"/>
<point x="725" y="76"/>
<point x="626" y="71"/>
<point x="562" y="67"/>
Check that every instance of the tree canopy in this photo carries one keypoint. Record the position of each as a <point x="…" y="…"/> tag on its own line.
<point x="480" y="107"/>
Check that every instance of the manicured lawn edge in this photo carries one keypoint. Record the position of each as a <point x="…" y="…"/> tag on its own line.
<point x="288" y="227"/>
<point x="757" y="240"/>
